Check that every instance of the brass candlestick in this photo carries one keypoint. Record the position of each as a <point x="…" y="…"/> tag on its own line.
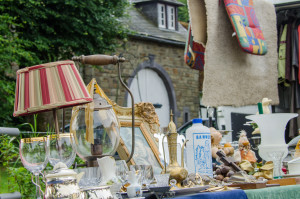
<point x="179" y="173"/>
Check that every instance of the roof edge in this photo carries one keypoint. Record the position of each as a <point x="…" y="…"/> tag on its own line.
<point x="158" y="1"/>
<point x="158" y="39"/>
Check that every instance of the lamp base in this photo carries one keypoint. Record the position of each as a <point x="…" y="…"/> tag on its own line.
<point x="92" y="160"/>
<point x="92" y="163"/>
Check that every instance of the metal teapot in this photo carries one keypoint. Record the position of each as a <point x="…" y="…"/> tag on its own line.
<point x="102" y="192"/>
<point x="62" y="183"/>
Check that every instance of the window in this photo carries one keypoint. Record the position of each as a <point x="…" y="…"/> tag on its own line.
<point x="161" y="16"/>
<point x="171" y="17"/>
<point x="166" y="14"/>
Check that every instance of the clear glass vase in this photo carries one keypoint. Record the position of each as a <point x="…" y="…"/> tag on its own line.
<point x="273" y="146"/>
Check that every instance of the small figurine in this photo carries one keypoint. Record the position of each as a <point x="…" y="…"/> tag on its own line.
<point x="216" y="138"/>
<point x="228" y="149"/>
<point x="244" y="152"/>
<point x="265" y="104"/>
<point x="265" y="110"/>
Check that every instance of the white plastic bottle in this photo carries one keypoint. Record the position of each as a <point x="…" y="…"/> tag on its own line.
<point x="198" y="149"/>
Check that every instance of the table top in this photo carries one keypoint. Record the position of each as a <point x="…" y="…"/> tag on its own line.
<point x="280" y="192"/>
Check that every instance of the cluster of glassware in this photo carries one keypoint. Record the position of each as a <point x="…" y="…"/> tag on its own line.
<point x="36" y="152"/>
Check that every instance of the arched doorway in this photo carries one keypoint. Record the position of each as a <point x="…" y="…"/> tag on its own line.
<point x="151" y="83"/>
<point x="147" y="86"/>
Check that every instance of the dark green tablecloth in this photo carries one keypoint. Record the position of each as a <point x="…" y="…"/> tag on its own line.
<point x="282" y="192"/>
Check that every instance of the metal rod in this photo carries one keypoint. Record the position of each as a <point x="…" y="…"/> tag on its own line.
<point x="164" y="153"/>
<point x="58" y="144"/>
<point x="55" y="121"/>
<point x="63" y="121"/>
<point x="132" y="109"/>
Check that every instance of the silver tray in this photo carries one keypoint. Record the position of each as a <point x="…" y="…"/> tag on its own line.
<point x="124" y="194"/>
<point x="160" y="189"/>
<point x="190" y="190"/>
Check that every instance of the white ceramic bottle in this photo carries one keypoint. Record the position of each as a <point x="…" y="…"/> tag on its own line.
<point x="198" y="149"/>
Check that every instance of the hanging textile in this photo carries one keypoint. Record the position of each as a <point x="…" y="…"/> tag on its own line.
<point x="288" y="53"/>
<point x="288" y="66"/>
<point x="299" y="53"/>
<point x="282" y="55"/>
<point x="233" y="77"/>
<point x="194" y="52"/>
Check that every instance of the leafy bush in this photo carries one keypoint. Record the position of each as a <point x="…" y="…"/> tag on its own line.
<point x="18" y="178"/>
<point x="40" y="31"/>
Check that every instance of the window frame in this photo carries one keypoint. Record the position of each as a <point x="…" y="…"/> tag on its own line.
<point x="169" y="15"/>
<point x="162" y="19"/>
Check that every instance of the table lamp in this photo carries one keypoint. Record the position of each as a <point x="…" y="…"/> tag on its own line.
<point x="95" y="128"/>
<point x="48" y="87"/>
<point x="100" y="126"/>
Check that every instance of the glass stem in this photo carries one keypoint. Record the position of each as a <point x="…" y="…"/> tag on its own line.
<point x="277" y="168"/>
<point x="39" y="191"/>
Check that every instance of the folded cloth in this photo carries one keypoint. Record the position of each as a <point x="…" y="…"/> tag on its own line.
<point x="290" y="192"/>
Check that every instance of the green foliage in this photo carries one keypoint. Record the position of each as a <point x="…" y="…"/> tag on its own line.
<point x="19" y="179"/>
<point x="40" y="31"/>
<point x="14" y="177"/>
<point x="78" y="160"/>
<point x="183" y="13"/>
<point x="33" y="128"/>
<point x="9" y="150"/>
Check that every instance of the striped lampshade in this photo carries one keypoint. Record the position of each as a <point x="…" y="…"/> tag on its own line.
<point x="49" y="86"/>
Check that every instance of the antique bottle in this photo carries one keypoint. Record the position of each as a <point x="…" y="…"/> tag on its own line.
<point x="179" y="173"/>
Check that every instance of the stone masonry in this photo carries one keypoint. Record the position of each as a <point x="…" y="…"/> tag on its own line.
<point x="171" y="58"/>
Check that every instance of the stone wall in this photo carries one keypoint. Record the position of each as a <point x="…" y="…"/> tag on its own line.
<point x="169" y="57"/>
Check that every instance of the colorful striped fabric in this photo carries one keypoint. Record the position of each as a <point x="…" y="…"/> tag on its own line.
<point x="49" y="86"/>
<point x="194" y="52"/>
<point x="246" y="26"/>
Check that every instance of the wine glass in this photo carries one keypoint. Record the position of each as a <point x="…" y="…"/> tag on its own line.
<point x="61" y="149"/>
<point x="91" y="177"/>
<point x="162" y="180"/>
<point x="146" y="172"/>
<point x="122" y="170"/>
<point x="276" y="157"/>
<point x="34" y="156"/>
